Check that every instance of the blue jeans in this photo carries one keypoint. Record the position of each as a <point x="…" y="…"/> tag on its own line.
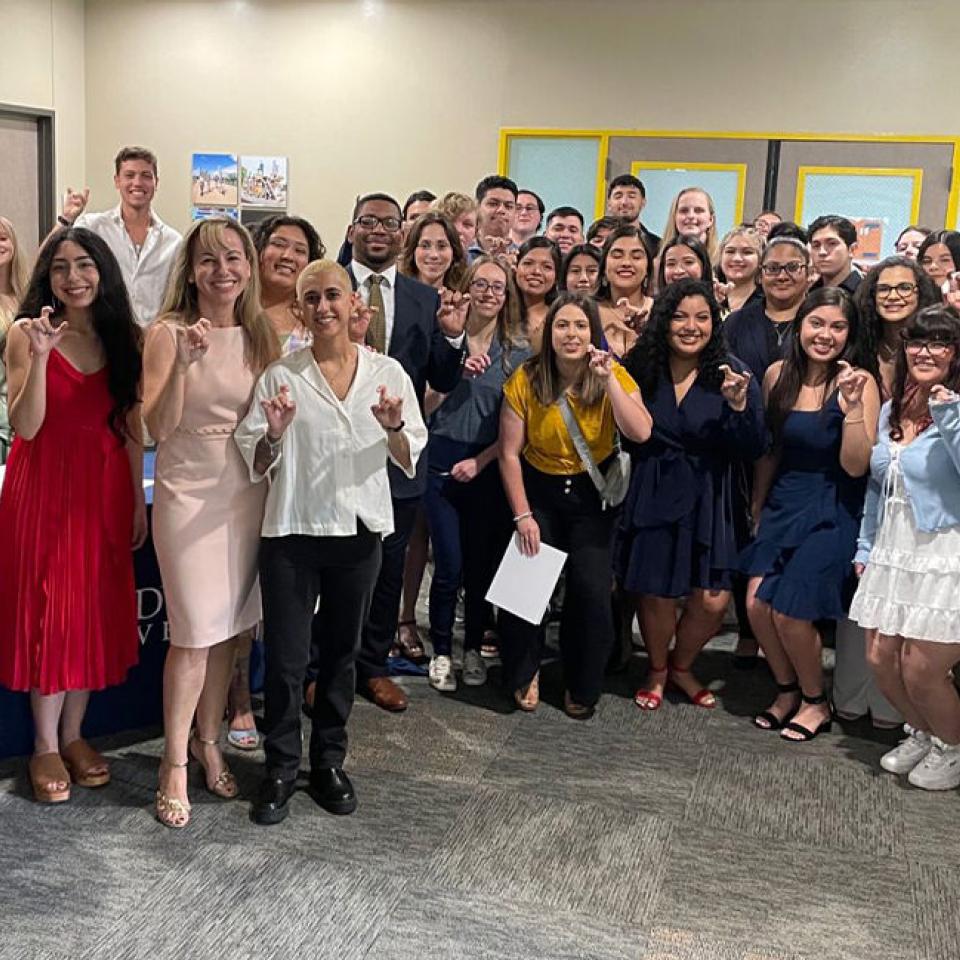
<point x="469" y="529"/>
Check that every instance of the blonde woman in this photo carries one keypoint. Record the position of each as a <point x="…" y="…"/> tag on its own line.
<point x="13" y="285"/>
<point x="461" y="211"/>
<point x="693" y="214"/>
<point x="738" y="269"/>
<point x="201" y="361"/>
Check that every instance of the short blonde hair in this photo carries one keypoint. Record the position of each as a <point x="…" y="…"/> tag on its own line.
<point x="317" y="267"/>
<point x="454" y="205"/>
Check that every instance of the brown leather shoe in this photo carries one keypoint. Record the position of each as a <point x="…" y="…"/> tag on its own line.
<point x="386" y="694"/>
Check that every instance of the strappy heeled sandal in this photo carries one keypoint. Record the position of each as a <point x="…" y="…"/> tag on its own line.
<point x="804" y="734"/>
<point x="46" y="769"/>
<point x="702" y="698"/>
<point x="648" y="699"/>
<point x="81" y="760"/>
<point x="169" y="811"/>
<point x="225" y="786"/>
<point x="767" y="720"/>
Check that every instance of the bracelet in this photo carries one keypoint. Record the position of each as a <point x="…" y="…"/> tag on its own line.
<point x="846" y="421"/>
<point x="397" y="428"/>
<point x="63" y="221"/>
<point x="272" y="445"/>
<point x="522" y="516"/>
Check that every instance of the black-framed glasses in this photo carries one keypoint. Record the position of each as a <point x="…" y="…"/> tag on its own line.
<point x="369" y="222"/>
<point x="936" y="348"/>
<point x="902" y="290"/>
<point x="498" y="288"/>
<point x="791" y="269"/>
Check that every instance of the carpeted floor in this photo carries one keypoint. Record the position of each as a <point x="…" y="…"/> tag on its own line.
<point x="486" y="834"/>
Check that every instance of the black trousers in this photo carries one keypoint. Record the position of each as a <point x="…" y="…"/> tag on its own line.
<point x="568" y="510"/>
<point x="294" y="571"/>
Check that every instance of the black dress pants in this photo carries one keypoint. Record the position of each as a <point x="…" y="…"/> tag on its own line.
<point x="294" y="571"/>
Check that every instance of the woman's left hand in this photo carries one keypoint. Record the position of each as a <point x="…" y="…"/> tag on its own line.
<point x="635" y="318"/>
<point x="851" y="382"/>
<point x="601" y="362"/>
<point x="139" y="523"/>
<point x="475" y="365"/>
<point x="941" y="394"/>
<point x="734" y="387"/>
<point x="388" y="410"/>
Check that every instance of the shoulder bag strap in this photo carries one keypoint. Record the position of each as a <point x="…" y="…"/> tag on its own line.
<point x="580" y="443"/>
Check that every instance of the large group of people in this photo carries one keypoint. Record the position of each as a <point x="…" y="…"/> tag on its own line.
<point x="757" y="421"/>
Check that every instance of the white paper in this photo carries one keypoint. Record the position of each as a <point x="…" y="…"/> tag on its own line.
<point x="524" y="585"/>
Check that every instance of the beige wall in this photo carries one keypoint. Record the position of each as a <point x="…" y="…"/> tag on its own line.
<point x="42" y="66"/>
<point x="414" y="96"/>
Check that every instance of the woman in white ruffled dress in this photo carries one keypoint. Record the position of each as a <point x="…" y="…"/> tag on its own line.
<point x="908" y="555"/>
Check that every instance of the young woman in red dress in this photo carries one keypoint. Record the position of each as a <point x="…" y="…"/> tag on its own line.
<point x="72" y="505"/>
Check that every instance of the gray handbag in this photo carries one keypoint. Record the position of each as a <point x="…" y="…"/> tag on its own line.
<point x="612" y="485"/>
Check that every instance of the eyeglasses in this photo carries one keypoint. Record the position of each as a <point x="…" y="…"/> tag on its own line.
<point x="902" y="290"/>
<point x="936" y="348"/>
<point x="527" y="208"/>
<point x="369" y="222"/>
<point x="775" y="269"/>
<point x="497" y="288"/>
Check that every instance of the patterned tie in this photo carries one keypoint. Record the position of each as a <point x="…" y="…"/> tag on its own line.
<point x="377" y="331"/>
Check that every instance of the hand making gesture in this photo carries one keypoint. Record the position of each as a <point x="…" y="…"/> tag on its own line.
<point x="474" y="366"/>
<point x="452" y="315"/>
<point x="74" y="203"/>
<point x="192" y="342"/>
<point x="601" y="362"/>
<point x="388" y="410"/>
<point x="44" y="336"/>
<point x="279" y="411"/>
<point x="633" y="317"/>
<point x="941" y="394"/>
<point x="734" y="387"/>
<point x="360" y="317"/>
<point x="850" y="383"/>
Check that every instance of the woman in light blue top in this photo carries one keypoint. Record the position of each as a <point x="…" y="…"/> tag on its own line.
<point x="908" y="554"/>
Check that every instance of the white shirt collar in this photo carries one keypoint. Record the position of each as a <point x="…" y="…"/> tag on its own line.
<point x="117" y="216"/>
<point x="362" y="273"/>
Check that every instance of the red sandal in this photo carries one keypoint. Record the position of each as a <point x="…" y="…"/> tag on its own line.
<point x="648" y="699"/>
<point x="702" y="698"/>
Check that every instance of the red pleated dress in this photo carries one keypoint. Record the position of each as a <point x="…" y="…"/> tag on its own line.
<point x="68" y="610"/>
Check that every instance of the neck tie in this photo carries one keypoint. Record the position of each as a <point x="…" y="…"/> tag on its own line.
<point x="377" y="331"/>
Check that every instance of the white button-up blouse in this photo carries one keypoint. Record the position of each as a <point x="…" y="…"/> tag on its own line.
<point x="332" y="467"/>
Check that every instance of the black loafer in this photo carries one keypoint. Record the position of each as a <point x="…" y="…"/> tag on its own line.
<point x="273" y="801"/>
<point x="332" y="790"/>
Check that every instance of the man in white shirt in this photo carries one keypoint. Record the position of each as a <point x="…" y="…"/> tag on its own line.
<point x="145" y="247"/>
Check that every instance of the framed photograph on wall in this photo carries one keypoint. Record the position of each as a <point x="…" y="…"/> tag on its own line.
<point x="215" y="180"/>
<point x="263" y="182"/>
<point x="204" y="213"/>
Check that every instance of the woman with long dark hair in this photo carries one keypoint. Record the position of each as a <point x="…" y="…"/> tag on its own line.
<point x="676" y="532"/>
<point x="538" y="266"/>
<point x="822" y="412"/>
<point x="72" y="505"/>
<point x="432" y="252"/>
<point x="553" y="498"/>
<point x="580" y="270"/>
<point x="626" y="275"/>
<point x="908" y="554"/>
<point x="683" y="258"/>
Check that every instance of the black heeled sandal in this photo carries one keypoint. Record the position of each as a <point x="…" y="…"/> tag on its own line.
<point x="770" y="720"/>
<point x="807" y="735"/>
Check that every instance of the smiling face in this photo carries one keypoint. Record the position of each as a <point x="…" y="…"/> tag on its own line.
<point x="565" y="232"/>
<point x="376" y="241"/>
<point x="740" y="260"/>
<point x="74" y="278"/>
<point x="908" y="245"/>
<point x="283" y="258"/>
<point x="679" y="262"/>
<point x="691" y="327"/>
<point x="627" y="265"/>
<point x="6" y="247"/>
<point x="137" y="183"/>
<point x="325" y="304"/>
<point x="929" y="361"/>
<point x="433" y="255"/>
<point x="570" y="335"/>
<point x="897" y="294"/>
<point x="536" y="273"/>
<point x="783" y="275"/>
<point x="625" y="202"/>
<point x="824" y="333"/>
<point x="831" y="256"/>
<point x="693" y="217"/>
<point x="583" y="274"/>
<point x="488" y="291"/>
<point x="222" y="273"/>
<point x="937" y="262"/>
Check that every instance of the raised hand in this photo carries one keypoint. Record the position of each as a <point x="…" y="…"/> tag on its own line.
<point x="360" y="317"/>
<point x="388" y="411"/>
<point x="633" y="317"/>
<point x="941" y="394"/>
<point x="951" y="291"/>
<point x="721" y="291"/>
<point x="475" y="365"/>
<point x="74" y="203"/>
<point x="601" y="362"/>
<point x="44" y="336"/>
<point x="452" y="315"/>
<point x="496" y="246"/>
<point x="465" y="470"/>
<point x="851" y="382"/>
<point x="192" y="342"/>
<point x="734" y="387"/>
<point x="279" y="411"/>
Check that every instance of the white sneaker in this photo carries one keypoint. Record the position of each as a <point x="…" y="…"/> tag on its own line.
<point x="939" y="769"/>
<point x="903" y="758"/>
<point x="442" y="677"/>
<point x="474" y="669"/>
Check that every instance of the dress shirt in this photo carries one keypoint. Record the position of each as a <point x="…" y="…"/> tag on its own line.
<point x="332" y="467"/>
<point x="388" y="290"/>
<point x="146" y="275"/>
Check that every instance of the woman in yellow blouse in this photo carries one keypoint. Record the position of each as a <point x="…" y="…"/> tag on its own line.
<point x="554" y="500"/>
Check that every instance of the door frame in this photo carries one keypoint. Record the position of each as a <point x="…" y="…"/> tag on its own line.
<point x="46" y="160"/>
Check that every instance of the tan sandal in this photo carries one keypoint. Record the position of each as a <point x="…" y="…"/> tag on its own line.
<point x="528" y="698"/>
<point x="81" y="760"/>
<point x="46" y="769"/>
<point x="225" y="786"/>
<point x="169" y="811"/>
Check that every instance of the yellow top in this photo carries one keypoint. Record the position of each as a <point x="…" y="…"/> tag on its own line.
<point x="549" y="447"/>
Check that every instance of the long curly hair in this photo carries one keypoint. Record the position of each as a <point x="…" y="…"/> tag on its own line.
<point x="112" y="319"/>
<point x="649" y="360"/>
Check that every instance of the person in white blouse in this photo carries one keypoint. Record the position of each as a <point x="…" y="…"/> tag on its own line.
<point x="324" y="423"/>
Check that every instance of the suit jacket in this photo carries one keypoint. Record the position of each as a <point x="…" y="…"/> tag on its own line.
<point x="418" y="343"/>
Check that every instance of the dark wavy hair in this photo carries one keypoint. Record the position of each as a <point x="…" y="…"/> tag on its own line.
<point x="949" y="238"/>
<point x="408" y="255"/>
<point x="786" y="388"/>
<point x="699" y="250"/>
<point x="625" y="230"/>
<point x="264" y="230"/>
<point x="866" y="301"/>
<point x="538" y="243"/>
<point x="938" y="322"/>
<point x="580" y="250"/>
<point x="113" y="319"/>
<point x="649" y="360"/>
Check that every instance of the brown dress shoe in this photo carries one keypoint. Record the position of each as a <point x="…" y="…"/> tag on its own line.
<point x="386" y="694"/>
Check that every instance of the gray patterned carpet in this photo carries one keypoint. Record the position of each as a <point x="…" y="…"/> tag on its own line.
<point x="490" y="835"/>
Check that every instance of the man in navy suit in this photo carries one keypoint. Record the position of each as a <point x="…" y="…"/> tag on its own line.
<point x="430" y="351"/>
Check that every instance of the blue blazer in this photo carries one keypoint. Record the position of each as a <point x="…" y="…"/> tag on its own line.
<point x="931" y="474"/>
<point x="418" y="343"/>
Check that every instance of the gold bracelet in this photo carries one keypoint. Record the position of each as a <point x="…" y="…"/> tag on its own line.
<point x="846" y="421"/>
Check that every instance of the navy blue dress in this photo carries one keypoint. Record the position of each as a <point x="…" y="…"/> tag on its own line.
<point x="809" y="524"/>
<point x="676" y="529"/>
